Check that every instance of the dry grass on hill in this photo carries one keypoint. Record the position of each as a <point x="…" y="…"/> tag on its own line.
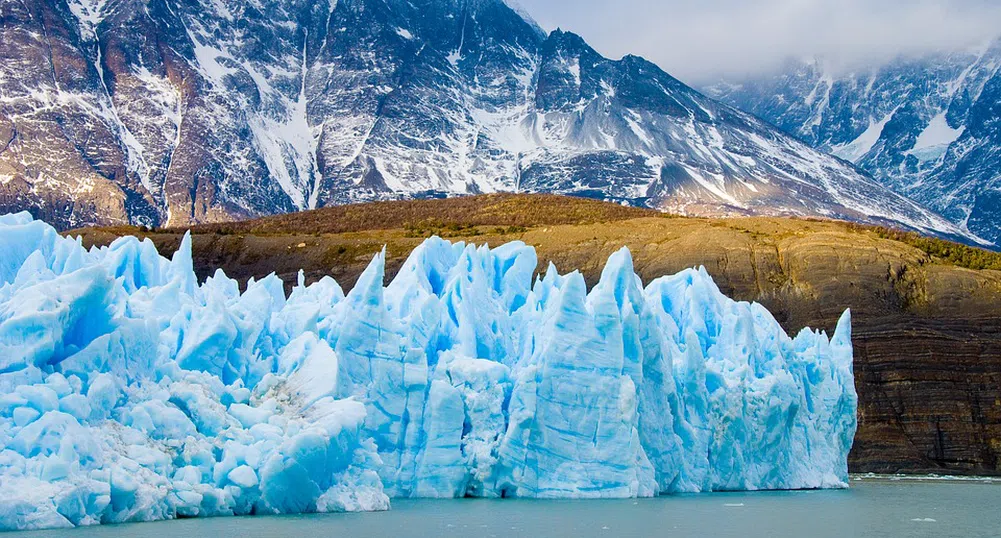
<point x="507" y="210"/>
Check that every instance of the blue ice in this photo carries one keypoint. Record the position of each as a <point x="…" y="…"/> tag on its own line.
<point x="129" y="391"/>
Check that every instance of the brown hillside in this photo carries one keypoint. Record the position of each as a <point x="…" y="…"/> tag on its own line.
<point x="927" y="318"/>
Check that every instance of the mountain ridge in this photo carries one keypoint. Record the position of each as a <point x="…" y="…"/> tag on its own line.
<point x="159" y="113"/>
<point x="926" y="126"/>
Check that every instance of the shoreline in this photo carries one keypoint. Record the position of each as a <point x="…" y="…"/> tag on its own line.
<point x="899" y="477"/>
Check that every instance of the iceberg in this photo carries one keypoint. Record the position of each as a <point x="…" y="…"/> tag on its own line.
<point x="129" y="391"/>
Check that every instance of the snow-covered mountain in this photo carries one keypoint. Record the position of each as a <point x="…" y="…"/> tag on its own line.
<point x="928" y="127"/>
<point x="169" y="112"/>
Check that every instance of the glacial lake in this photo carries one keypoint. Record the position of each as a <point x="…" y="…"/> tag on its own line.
<point x="871" y="508"/>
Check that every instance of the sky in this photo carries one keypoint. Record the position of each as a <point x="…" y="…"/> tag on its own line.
<point x="701" y="41"/>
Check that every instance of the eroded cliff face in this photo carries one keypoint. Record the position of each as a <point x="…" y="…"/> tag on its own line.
<point x="927" y="334"/>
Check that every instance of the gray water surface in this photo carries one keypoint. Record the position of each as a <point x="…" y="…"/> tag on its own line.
<point x="871" y="508"/>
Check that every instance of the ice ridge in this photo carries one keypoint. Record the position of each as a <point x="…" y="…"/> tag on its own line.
<point x="129" y="391"/>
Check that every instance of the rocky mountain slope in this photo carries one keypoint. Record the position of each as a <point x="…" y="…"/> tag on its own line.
<point x="161" y="112"/>
<point x="926" y="314"/>
<point x="928" y="127"/>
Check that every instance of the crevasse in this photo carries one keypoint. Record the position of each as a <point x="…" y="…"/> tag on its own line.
<point x="131" y="392"/>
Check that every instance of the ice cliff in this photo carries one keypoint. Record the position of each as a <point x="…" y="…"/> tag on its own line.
<point x="131" y="392"/>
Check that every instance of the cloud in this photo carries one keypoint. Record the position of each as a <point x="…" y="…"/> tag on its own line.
<point x="698" y="40"/>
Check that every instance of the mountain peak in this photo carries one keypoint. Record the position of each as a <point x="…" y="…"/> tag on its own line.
<point x="320" y="104"/>
<point x="515" y="6"/>
<point x="560" y="39"/>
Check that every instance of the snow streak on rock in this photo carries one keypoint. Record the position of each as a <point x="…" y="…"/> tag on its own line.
<point x="169" y="113"/>
<point x="928" y="127"/>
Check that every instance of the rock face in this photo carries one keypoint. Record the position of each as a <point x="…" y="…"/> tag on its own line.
<point x="926" y="334"/>
<point x="927" y="127"/>
<point x="168" y="113"/>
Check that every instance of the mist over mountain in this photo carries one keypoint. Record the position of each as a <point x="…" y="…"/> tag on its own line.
<point x="928" y="126"/>
<point x="700" y="41"/>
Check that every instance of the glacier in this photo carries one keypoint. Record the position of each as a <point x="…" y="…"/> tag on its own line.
<point x="130" y="391"/>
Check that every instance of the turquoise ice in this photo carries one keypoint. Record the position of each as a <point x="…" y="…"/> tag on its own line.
<point x="129" y="391"/>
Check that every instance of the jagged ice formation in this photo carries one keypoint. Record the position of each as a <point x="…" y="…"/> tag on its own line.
<point x="130" y="392"/>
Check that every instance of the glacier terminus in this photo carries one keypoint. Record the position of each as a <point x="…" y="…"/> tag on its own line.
<point x="129" y="391"/>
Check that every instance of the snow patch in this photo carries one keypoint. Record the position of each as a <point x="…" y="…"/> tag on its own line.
<point x="608" y="89"/>
<point x="819" y="99"/>
<point x="207" y="59"/>
<point x="716" y="186"/>
<point x="89" y="14"/>
<point x="220" y="8"/>
<point x="936" y="138"/>
<point x="635" y="122"/>
<point x="574" y="69"/>
<point x="856" y="149"/>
